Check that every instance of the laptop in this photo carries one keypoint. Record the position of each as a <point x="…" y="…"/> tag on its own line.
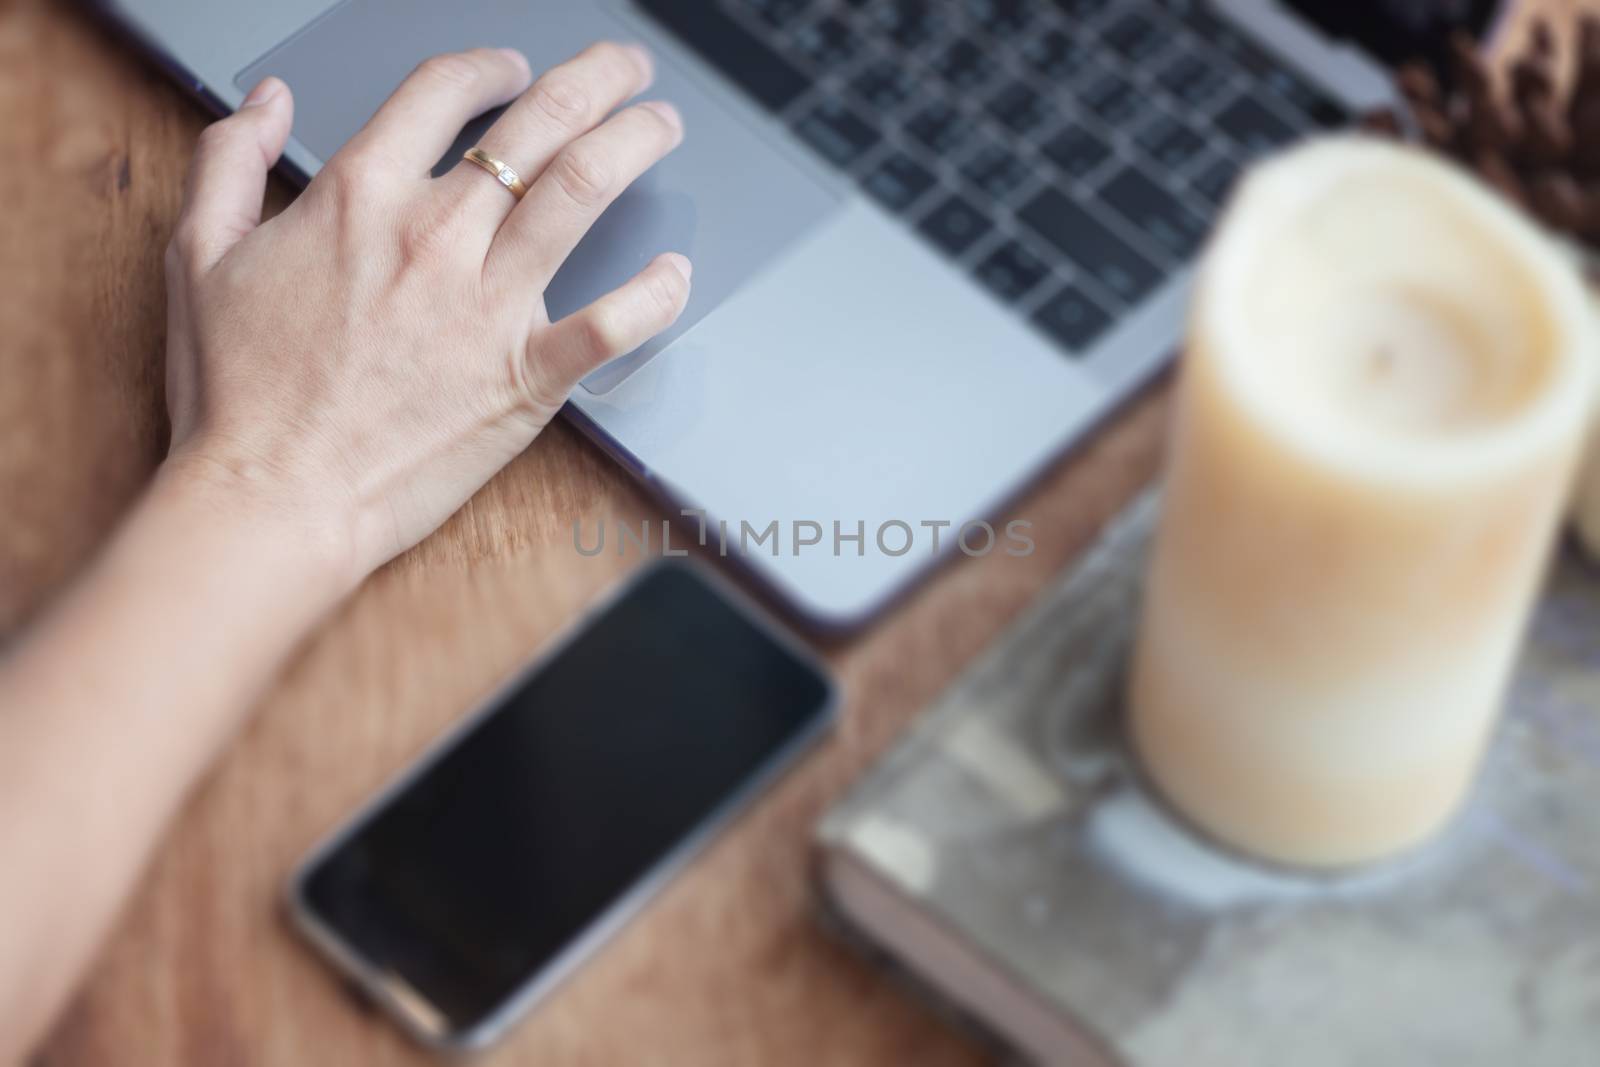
<point x="934" y="242"/>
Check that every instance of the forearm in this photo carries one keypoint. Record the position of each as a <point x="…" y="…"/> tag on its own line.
<point x="388" y="352"/>
<point x="117" y="701"/>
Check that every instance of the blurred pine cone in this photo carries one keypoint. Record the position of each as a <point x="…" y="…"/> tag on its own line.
<point x="1540" y="150"/>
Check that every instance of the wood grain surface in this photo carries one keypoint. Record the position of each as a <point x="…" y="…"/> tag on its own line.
<point x="725" y="967"/>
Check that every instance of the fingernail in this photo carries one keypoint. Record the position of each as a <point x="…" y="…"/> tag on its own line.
<point x="645" y="62"/>
<point x="685" y="268"/>
<point x="666" y="111"/>
<point x="518" y="58"/>
<point x="265" y="90"/>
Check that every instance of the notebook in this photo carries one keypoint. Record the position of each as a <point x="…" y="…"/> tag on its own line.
<point x="1007" y="861"/>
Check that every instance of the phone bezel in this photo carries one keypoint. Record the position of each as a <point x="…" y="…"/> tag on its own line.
<point x="408" y="1007"/>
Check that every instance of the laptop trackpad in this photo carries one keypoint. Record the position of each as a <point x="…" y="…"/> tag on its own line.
<point x="726" y="198"/>
<point x="651" y="217"/>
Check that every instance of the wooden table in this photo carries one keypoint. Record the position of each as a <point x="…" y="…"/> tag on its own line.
<point x="725" y="967"/>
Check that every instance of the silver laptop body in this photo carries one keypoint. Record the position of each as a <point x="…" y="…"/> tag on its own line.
<point x="845" y="392"/>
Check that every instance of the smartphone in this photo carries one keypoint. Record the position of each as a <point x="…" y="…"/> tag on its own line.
<point x="485" y="873"/>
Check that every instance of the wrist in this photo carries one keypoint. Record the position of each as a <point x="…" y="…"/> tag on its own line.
<point x="292" y="533"/>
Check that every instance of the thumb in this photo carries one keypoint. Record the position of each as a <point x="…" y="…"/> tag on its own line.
<point x="228" y="176"/>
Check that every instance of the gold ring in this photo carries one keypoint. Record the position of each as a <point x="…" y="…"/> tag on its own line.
<point x="503" y="173"/>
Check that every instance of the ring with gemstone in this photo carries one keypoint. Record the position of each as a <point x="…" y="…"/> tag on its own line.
<point x="503" y="173"/>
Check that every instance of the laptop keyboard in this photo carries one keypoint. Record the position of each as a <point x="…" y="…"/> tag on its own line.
<point x="1070" y="154"/>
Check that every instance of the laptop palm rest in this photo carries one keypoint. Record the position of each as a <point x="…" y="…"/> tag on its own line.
<point x="726" y="198"/>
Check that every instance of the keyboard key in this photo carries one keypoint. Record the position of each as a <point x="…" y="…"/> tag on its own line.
<point x="734" y="50"/>
<point x="884" y="84"/>
<point x="1192" y="78"/>
<point x="1011" y="271"/>
<point x="836" y="132"/>
<point x="1089" y="243"/>
<point x="1072" y="319"/>
<point x="1315" y="105"/>
<point x="1053" y="54"/>
<point x="1019" y="107"/>
<point x="996" y="171"/>
<point x="1076" y="151"/>
<point x="964" y="65"/>
<point x="1244" y="51"/>
<point x="1155" y="212"/>
<point x="1215" y="179"/>
<point x="938" y="127"/>
<point x="1111" y="97"/>
<point x="908" y="23"/>
<point x="898" y="182"/>
<point x="1170" y="142"/>
<point x="776" y="12"/>
<point x="1253" y="127"/>
<point x="827" y="44"/>
<point x="1078" y="9"/>
<point x="955" y="225"/>
<point x="1133" y="37"/>
<point x="1222" y="34"/>
<point x="1002" y="18"/>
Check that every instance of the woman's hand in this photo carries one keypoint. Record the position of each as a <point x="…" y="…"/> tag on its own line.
<point x="361" y="364"/>
<point x="340" y="380"/>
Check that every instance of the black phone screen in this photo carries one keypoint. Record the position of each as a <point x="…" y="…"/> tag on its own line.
<point x="525" y="829"/>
